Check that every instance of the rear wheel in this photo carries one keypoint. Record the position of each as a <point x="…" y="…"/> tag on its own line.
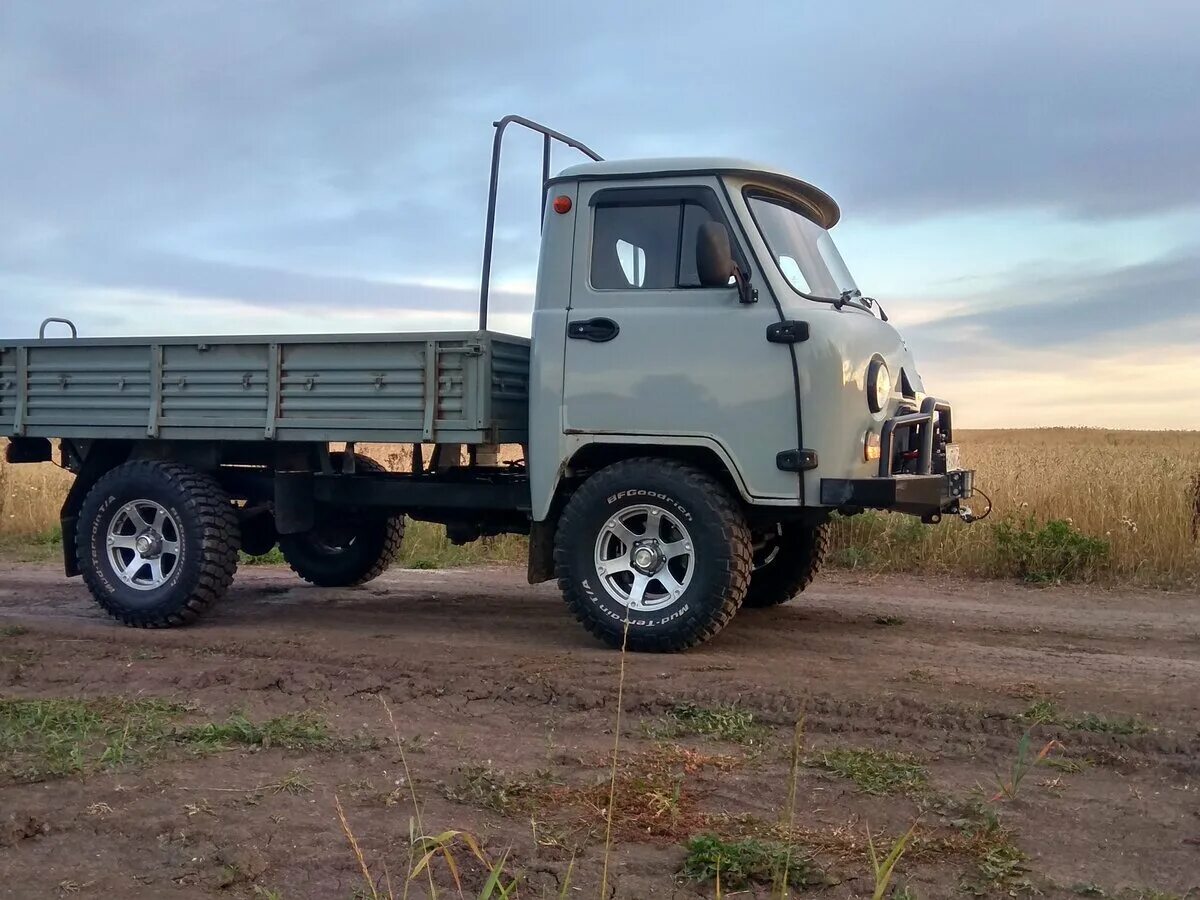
<point x="652" y="555"/>
<point x="785" y="563"/>
<point x="157" y="543"/>
<point x="347" y="547"/>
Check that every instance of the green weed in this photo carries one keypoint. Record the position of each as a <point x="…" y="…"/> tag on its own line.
<point x="1001" y="871"/>
<point x="1024" y="763"/>
<point x="1045" y="711"/>
<point x="875" y="771"/>
<point x="723" y="721"/>
<point x="1063" y="764"/>
<point x="13" y="630"/>
<point x="749" y="862"/>
<point x="54" y="737"/>
<point x="882" y="870"/>
<point x="51" y="738"/>
<point x="302" y="731"/>
<point x="1100" y="724"/>
<point x="484" y="786"/>
<point x="853" y="558"/>
<point x="1055" y="551"/>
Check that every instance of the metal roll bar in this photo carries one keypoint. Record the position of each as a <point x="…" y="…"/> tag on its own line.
<point x="548" y="135"/>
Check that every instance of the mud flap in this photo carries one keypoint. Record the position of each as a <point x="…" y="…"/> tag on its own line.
<point x="541" y="552"/>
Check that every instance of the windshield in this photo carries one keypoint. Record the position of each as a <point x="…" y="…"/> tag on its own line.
<point x="803" y="250"/>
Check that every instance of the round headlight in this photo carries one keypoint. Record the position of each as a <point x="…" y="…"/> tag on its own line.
<point x="879" y="384"/>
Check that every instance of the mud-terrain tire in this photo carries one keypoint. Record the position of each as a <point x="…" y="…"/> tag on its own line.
<point x="178" y="522"/>
<point x="698" y="541"/>
<point x="346" y="547"/>
<point x="794" y="558"/>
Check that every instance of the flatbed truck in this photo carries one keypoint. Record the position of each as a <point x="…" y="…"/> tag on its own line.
<point x="705" y="386"/>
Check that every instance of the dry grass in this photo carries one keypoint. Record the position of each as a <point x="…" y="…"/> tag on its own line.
<point x="1135" y="491"/>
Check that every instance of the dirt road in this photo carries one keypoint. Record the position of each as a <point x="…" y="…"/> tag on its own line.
<point x="506" y="710"/>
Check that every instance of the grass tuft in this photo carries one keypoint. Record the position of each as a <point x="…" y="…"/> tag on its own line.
<point x="1001" y="872"/>
<point x="50" y="738"/>
<point x="488" y="788"/>
<point x="876" y="772"/>
<point x="750" y="862"/>
<point x="724" y="722"/>
<point x="302" y="731"/>
<point x="1047" y="712"/>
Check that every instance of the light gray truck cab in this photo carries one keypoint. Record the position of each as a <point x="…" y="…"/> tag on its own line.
<point x="690" y="365"/>
<point x="704" y="388"/>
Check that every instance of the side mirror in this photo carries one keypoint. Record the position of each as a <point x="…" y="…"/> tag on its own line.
<point x="714" y="255"/>
<point x="715" y="264"/>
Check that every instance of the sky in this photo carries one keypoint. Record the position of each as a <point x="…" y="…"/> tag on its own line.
<point x="1020" y="183"/>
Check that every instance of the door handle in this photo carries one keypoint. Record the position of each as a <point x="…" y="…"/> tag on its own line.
<point x="596" y="330"/>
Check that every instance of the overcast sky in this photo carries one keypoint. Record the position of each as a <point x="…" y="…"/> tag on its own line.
<point x="1020" y="183"/>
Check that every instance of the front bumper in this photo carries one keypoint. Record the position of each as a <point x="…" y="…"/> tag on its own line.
<point x="927" y="496"/>
<point x="913" y="474"/>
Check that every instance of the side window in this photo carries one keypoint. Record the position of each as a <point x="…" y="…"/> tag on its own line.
<point x="635" y="247"/>
<point x="651" y="246"/>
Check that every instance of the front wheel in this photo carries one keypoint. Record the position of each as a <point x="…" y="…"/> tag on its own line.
<point x="652" y="555"/>
<point x="785" y="563"/>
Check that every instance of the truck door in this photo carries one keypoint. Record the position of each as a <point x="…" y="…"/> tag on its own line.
<point x="651" y="353"/>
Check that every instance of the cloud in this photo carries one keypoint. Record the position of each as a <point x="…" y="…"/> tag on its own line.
<point x="1131" y="305"/>
<point x="1110" y="347"/>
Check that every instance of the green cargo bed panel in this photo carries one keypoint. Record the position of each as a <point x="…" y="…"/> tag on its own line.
<point x="447" y="387"/>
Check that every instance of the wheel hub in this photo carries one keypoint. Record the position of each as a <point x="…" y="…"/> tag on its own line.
<point x="148" y="545"/>
<point x="647" y="557"/>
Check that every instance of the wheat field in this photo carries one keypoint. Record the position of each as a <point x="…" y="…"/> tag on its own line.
<point x="1128" y="501"/>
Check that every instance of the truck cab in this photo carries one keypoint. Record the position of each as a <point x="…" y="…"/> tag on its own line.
<point x="787" y="391"/>
<point x="704" y="387"/>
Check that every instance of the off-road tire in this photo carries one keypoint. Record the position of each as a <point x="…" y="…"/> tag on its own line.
<point x="802" y="550"/>
<point x="208" y="541"/>
<point x="375" y="544"/>
<point x="719" y="535"/>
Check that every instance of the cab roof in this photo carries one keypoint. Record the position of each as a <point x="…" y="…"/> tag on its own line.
<point x="822" y="203"/>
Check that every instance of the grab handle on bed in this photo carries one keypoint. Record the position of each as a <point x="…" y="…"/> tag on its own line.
<point x="67" y="322"/>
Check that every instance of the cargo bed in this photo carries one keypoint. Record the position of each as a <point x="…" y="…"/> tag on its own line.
<point x="440" y="387"/>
